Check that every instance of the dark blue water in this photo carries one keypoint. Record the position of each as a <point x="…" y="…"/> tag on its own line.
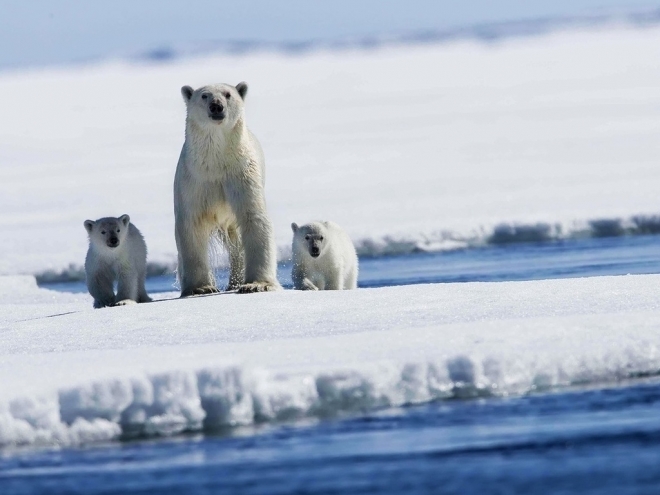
<point x="562" y="259"/>
<point x="596" y="441"/>
<point x="585" y="442"/>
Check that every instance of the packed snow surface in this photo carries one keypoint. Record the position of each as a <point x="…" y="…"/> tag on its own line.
<point x="435" y="145"/>
<point x="71" y="374"/>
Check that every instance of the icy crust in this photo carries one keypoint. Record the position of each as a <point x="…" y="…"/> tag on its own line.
<point x="509" y="233"/>
<point x="216" y="398"/>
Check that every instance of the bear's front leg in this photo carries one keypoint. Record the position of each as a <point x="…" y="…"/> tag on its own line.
<point x="334" y="281"/>
<point x="260" y="259"/>
<point x="192" y="242"/>
<point x="100" y="285"/>
<point x="350" y="282"/>
<point x="143" y="297"/>
<point x="127" y="286"/>
<point x="300" y="280"/>
<point x="246" y="199"/>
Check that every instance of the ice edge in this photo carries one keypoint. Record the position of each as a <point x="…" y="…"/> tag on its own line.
<point x="443" y="240"/>
<point x="209" y="399"/>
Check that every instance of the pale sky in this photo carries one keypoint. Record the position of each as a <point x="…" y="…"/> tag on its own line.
<point x="37" y="32"/>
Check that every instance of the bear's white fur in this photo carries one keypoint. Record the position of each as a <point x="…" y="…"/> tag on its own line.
<point x="324" y="257"/>
<point x="219" y="190"/>
<point x="117" y="252"/>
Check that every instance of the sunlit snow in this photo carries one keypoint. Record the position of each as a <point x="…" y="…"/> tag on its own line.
<point x="437" y="144"/>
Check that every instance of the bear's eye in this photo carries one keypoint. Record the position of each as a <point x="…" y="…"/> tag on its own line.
<point x="321" y="238"/>
<point x="118" y="231"/>
<point x="103" y="232"/>
<point x="205" y="96"/>
<point x="307" y="237"/>
<point x="227" y="95"/>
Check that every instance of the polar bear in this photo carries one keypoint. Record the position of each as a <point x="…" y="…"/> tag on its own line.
<point x="219" y="190"/>
<point x="117" y="252"/>
<point x="324" y="257"/>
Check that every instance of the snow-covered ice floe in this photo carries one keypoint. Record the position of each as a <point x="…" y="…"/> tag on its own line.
<point x="71" y="375"/>
<point x="528" y="139"/>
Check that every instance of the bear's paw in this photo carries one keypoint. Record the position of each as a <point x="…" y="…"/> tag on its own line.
<point x="200" y="291"/>
<point x="257" y="287"/>
<point x="125" y="302"/>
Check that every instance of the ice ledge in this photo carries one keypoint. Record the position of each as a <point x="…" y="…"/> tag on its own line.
<point x="209" y="399"/>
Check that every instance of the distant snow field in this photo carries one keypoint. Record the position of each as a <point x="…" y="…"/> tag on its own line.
<point x="432" y="144"/>
<point x="70" y="374"/>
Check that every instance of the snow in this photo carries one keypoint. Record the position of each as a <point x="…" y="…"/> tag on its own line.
<point x="429" y="146"/>
<point x="70" y="374"/>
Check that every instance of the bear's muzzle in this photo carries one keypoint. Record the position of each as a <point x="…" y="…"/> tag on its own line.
<point x="217" y="111"/>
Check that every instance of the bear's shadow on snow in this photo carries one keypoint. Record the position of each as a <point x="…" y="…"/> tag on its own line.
<point x="177" y="298"/>
<point x="196" y="296"/>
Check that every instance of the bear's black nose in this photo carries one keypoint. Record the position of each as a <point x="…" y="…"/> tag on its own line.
<point x="216" y="108"/>
<point x="113" y="241"/>
<point x="315" y="252"/>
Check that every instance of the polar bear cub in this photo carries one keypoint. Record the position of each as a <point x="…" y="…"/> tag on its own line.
<point x="117" y="253"/>
<point x="324" y="257"/>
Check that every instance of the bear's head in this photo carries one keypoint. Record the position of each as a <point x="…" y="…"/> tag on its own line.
<point x="108" y="232"/>
<point x="216" y="104"/>
<point x="310" y="238"/>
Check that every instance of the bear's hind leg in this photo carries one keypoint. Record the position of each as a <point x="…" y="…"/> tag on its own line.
<point x="234" y="246"/>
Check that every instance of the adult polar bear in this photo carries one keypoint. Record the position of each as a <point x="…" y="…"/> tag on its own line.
<point x="219" y="189"/>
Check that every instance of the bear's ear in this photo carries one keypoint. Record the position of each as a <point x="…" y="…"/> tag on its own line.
<point x="89" y="225"/>
<point x="242" y="87"/>
<point x="187" y="93"/>
<point x="294" y="227"/>
<point x="125" y="219"/>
